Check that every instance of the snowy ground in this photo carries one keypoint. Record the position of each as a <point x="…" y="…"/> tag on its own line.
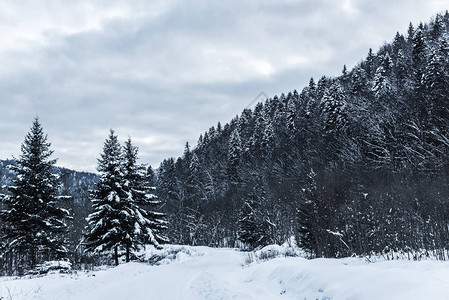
<point x="206" y="273"/>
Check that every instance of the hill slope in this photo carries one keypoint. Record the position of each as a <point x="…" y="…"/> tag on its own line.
<point x="353" y="164"/>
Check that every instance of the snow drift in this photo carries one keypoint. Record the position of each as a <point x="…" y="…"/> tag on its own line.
<point x="208" y="273"/>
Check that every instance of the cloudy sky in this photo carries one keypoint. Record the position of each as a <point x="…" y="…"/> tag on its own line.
<point x="162" y="72"/>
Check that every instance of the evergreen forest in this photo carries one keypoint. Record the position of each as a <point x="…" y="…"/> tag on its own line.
<point x="356" y="164"/>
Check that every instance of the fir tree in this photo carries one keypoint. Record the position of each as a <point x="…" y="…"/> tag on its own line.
<point x="111" y="221"/>
<point x="419" y="59"/>
<point x="253" y="227"/>
<point x="410" y="33"/>
<point x="402" y="66"/>
<point x="387" y="64"/>
<point x="382" y="87"/>
<point x="436" y="83"/>
<point x="291" y="115"/>
<point x="147" y="226"/>
<point x="359" y="82"/>
<point x="267" y="138"/>
<point x="307" y="233"/>
<point x="234" y="153"/>
<point x="333" y="109"/>
<point x="33" y="222"/>
<point x="370" y="63"/>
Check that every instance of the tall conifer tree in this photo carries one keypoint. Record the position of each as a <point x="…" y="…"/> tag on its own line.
<point x="110" y="221"/>
<point x="33" y="223"/>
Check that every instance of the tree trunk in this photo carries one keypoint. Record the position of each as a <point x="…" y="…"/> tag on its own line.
<point x="33" y="257"/>
<point x="10" y="254"/>
<point x="127" y="253"/>
<point x="116" y="255"/>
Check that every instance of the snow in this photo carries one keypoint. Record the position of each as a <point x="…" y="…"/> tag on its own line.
<point x="53" y="265"/>
<point x="209" y="273"/>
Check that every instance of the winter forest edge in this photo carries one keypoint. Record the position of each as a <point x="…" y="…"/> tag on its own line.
<point x="352" y="165"/>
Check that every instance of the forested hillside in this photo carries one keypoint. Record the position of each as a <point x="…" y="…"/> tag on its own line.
<point x="353" y="164"/>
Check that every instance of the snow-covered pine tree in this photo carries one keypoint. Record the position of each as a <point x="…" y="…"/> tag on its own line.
<point x="436" y="83"/>
<point x="150" y="176"/>
<point x="359" y="82"/>
<point x="333" y="109"/>
<point x="418" y="59"/>
<point x="369" y="63"/>
<point x="33" y="221"/>
<point x="112" y="218"/>
<point x="234" y="153"/>
<point x="387" y="63"/>
<point x="307" y="233"/>
<point x="148" y="226"/>
<point x="291" y="115"/>
<point x="253" y="227"/>
<point x="382" y="87"/>
<point x="402" y="70"/>
<point x="267" y="137"/>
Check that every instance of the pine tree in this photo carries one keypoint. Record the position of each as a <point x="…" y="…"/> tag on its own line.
<point x="111" y="220"/>
<point x="291" y="115"/>
<point x="147" y="227"/>
<point x="260" y="119"/>
<point x="370" y="63"/>
<point x="436" y="83"/>
<point x="359" y="82"/>
<point x="307" y="232"/>
<point x="234" y="153"/>
<point x="33" y="222"/>
<point x="344" y="78"/>
<point x="438" y="27"/>
<point x="402" y="72"/>
<point x="410" y="33"/>
<point x="150" y="176"/>
<point x="333" y="109"/>
<point x="387" y="64"/>
<point x="267" y="138"/>
<point x="253" y="227"/>
<point x="382" y="87"/>
<point x="419" y="59"/>
<point x="398" y="43"/>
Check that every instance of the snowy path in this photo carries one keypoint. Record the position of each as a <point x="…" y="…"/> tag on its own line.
<point x="218" y="274"/>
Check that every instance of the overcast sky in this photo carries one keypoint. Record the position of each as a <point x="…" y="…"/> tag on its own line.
<point x="162" y="72"/>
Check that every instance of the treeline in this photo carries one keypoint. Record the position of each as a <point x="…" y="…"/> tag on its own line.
<point x="355" y="164"/>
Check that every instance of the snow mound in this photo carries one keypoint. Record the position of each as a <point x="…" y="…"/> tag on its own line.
<point x="167" y="255"/>
<point x="49" y="266"/>
<point x="272" y="251"/>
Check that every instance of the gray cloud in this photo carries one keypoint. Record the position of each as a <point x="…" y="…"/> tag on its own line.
<point x="163" y="72"/>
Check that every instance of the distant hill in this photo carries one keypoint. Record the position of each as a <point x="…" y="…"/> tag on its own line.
<point x="74" y="183"/>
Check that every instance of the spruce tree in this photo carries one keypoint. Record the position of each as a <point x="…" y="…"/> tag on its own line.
<point x="291" y="115"/>
<point x="148" y="226"/>
<point x="382" y="87"/>
<point x="419" y="60"/>
<point x="110" y="222"/>
<point x="253" y="226"/>
<point x="333" y="109"/>
<point x="34" y="222"/>
<point x="307" y="231"/>
<point x="234" y="153"/>
<point x="436" y="82"/>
